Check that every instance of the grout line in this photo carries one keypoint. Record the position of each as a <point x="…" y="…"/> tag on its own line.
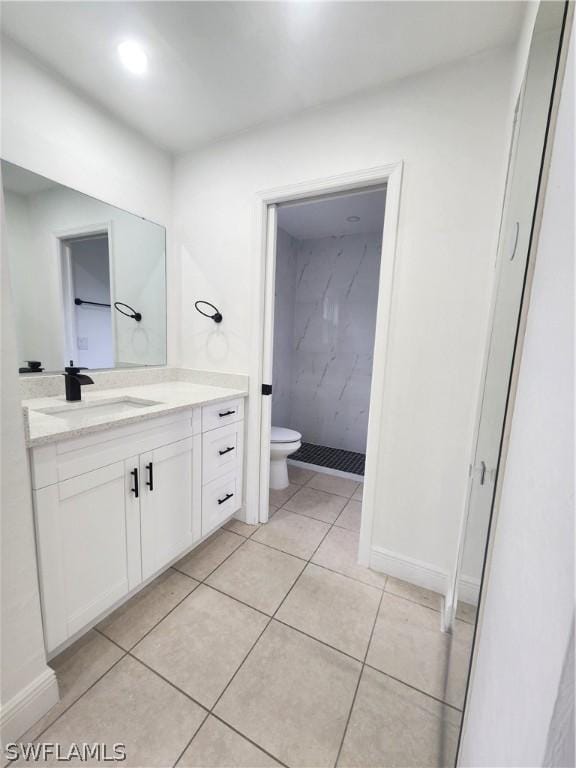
<point x="237" y="599"/>
<point x="190" y="740"/>
<point x="210" y="711"/>
<point x="319" y="565"/>
<point x="359" y="679"/>
<point x="414" y="688"/>
<point x="127" y="650"/>
<point x="243" y="735"/>
<point x="322" y="642"/>
<point x="124" y="654"/>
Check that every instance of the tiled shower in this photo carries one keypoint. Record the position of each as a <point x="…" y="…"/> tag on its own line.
<point x="324" y="327"/>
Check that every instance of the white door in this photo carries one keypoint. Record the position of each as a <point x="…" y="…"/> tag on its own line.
<point x="166" y="504"/>
<point x="82" y="542"/>
<point x="514" y="247"/>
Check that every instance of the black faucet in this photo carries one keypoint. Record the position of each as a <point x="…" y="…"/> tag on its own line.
<point x="74" y="380"/>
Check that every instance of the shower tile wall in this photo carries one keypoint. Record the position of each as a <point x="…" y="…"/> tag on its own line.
<point x="325" y="318"/>
<point x="286" y="252"/>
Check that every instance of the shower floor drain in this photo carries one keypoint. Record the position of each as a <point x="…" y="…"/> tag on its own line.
<point x="333" y="458"/>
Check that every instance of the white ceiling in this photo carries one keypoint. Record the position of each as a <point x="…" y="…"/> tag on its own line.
<point x="23" y="182"/>
<point x="221" y="67"/>
<point x="327" y="216"/>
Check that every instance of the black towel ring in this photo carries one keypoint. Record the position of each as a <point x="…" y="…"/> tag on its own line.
<point x="135" y="315"/>
<point x="217" y="316"/>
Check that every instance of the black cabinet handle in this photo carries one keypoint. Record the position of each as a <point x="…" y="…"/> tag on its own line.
<point x="136" y="489"/>
<point x="226" y="450"/>
<point x="228" y="496"/>
<point x="150" y="481"/>
<point x="226" y="413"/>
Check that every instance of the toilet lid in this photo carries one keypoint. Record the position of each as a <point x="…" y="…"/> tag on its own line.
<point x="284" y="435"/>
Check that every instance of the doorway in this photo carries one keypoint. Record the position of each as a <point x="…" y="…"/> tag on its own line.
<point x="87" y="300"/>
<point x="270" y="207"/>
<point x="326" y="293"/>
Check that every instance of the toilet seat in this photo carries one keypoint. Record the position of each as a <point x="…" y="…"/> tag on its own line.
<point x="284" y="435"/>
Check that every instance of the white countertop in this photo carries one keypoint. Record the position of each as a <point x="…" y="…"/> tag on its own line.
<point x="170" y="396"/>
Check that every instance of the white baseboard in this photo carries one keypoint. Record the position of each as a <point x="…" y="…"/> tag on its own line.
<point x="469" y="589"/>
<point x="28" y="706"/>
<point x="406" y="568"/>
<point x="326" y="470"/>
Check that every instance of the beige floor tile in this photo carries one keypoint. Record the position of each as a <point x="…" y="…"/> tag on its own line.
<point x="241" y="528"/>
<point x="272" y="511"/>
<point x="77" y="668"/>
<point x="412" y="592"/>
<point x="332" y="608"/>
<point x="393" y="725"/>
<point x="279" y="498"/>
<point x="292" y="533"/>
<point x="466" y="612"/>
<point x="409" y="645"/>
<point x="299" y="475"/>
<point x="130" y="705"/>
<point x="317" y="504"/>
<point x="342" y="486"/>
<point x="350" y="516"/>
<point x="218" y="746"/>
<point x="292" y="696"/>
<point x="339" y="552"/>
<point x="204" y="559"/>
<point x="257" y="575"/>
<point x="200" y="645"/>
<point x="129" y="623"/>
<point x="358" y="494"/>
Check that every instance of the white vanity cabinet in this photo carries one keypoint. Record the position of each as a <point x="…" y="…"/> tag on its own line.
<point x="114" y="508"/>
<point x="168" y="484"/>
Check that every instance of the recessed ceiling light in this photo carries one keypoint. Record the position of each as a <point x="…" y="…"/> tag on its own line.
<point x="352" y="218"/>
<point x="133" y="56"/>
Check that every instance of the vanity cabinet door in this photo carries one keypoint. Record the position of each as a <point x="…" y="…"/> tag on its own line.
<point x="82" y="527"/>
<point x="167" y="496"/>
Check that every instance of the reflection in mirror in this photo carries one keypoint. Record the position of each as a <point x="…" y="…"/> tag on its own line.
<point x="525" y="159"/>
<point x="88" y="279"/>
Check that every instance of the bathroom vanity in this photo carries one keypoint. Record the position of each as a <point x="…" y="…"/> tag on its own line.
<point x="124" y="484"/>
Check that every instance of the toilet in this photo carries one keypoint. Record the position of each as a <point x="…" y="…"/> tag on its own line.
<point x="283" y="443"/>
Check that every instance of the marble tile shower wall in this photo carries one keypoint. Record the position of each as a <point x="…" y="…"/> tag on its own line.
<point x="284" y="303"/>
<point x="329" y="345"/>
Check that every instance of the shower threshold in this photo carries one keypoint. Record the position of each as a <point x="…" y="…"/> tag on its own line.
<point x="332" y="458"/>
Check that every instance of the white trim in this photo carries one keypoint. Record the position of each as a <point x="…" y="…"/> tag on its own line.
<point x="469" y="590"/>
<point x="28" y="706"/>
<point x="256" y="481"/>
<point x="406" y="568"/>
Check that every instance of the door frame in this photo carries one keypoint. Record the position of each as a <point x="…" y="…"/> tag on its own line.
<point x="257" y="470"/>
<point x="66" y="283"/>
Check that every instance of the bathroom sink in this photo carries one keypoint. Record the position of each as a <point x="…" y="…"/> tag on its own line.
<point x="76" y="413"/>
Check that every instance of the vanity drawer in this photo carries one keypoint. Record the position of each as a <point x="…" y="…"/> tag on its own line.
<point x="220" y="414"/>
<point x="220" y="499"/>
<point x="222" y="451"/>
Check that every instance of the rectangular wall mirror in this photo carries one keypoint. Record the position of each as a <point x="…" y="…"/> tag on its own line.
<point x="88" y="279"/>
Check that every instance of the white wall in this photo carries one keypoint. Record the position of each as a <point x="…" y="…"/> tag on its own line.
<point x="450" y="126"/>
<point x="23" y="660"/>
<point x="528" y="603"/>
<point x="50" y="130"/>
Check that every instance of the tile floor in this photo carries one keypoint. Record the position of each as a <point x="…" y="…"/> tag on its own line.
<point x="268" y="645"/>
